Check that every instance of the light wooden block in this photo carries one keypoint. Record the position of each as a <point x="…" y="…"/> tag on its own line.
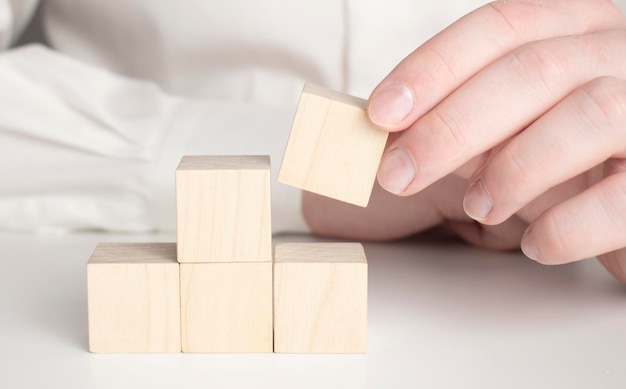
<point x="226" y="307"/>
<point x="320" y="298"/>
<point x="133" y="298"/>
<point x="223" y="209"/>
<point x="333" y="149"/>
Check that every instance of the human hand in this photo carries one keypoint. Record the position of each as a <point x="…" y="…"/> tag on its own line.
<point x="392" y="217"/>
<point x="527" y="99"/>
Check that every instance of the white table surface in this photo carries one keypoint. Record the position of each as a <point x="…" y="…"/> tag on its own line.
<point x="441" y="314"/>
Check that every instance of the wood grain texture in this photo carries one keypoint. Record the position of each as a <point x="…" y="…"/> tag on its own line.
<point x="333" y="149"/>
<point x="133" y="298"/>
<point x="320" y="298"/>
<point x="226" y="307"/>
<point x="223" y="209"/>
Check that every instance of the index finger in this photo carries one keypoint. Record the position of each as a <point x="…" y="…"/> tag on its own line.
<point x="452" y="57"/>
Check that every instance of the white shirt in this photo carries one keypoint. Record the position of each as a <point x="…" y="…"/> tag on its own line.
<point x="93" y="126"/>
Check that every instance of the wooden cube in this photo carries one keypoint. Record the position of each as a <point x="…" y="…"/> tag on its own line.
<point x="320" y="298"/>
<point x="226" y="307"/>
<point x="223" y="209"/>
<point x="333" y="149"/>
<point x="133" y="298"/>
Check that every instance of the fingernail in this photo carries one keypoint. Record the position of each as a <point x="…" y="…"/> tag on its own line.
<point x="397" y="170"/>
<point x="477" y="202"/>
<point x="528" y="247"/>
<point x="391" y="104"/>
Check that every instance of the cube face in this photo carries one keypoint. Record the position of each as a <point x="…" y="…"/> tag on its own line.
<point x="333" y="149"/>
<point x="223" y="209"/>
<point x="320" y="305"/>
<point x="133" y="298"/>
<point x="226" y="307"/>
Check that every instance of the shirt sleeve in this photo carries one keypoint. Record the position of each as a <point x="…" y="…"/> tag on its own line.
<point x="84" y="148"/>
<point x="14" y="17"/>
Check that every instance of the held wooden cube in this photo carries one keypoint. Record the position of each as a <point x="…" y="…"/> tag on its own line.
<point x="226" y="307"/>
<point x="223" y="209"/>
<point x="133" y="298"/>
<point x="333" y="149"/>
<point x="320" y="298"/>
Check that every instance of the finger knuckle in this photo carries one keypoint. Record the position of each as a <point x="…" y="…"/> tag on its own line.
<point x="446" y="67"/>
<point x="604" y="101"/>
<point x="515" y="164"/>
<point x="513" y="15"/>
<point x="507" y="13"/>
<point x="450" y="129"/>
<point x="539" y="65"/>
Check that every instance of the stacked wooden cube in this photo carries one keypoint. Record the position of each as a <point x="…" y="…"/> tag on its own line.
<point x="218" y="289"/>
<point x="225" y="253"/>
<point x="133" y="298"/>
